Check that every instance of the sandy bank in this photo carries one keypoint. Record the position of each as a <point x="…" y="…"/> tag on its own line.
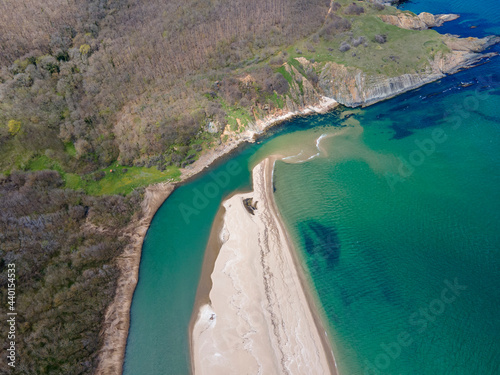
<point x="259" y="319"/>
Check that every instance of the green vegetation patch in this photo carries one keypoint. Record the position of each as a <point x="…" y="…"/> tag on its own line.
<point x="278" y="100"/>
<point x="234" y="113"/>
<point x="123" y="180"/>
<point x="405" y="51"/>
<point x="70" y="149"/>
<point x="43" y="162"/>
<point x="285" y="74"/>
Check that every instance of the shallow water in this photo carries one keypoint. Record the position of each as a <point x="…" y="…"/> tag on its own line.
<point x="380" y="246"/>
<point x="400" y="224"/>
<point x="173" y="251"/>
<point x="399" y="199"/>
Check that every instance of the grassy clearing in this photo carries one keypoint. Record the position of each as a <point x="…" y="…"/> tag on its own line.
<point x="120" y="182"/>
<point x="123" y="180"/>
<point x="43" y="162"/>
<point x="406" y="51"/>
<point x="234" y="113"/>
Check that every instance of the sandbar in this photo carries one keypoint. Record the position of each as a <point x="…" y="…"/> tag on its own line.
<point x="258" y="318"/>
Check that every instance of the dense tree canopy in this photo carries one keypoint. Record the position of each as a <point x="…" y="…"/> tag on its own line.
<point x="63" y="244"/>
<point x="126" y="79"/>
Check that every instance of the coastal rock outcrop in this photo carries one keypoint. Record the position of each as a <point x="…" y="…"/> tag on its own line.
<point x="471" y="44"/>
<point x="424" y="20"/>
<point x="352" y="87"/>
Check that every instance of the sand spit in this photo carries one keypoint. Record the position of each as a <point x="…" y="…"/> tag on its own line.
<point x="259" y="319"/>
<point x="117" y="318"/>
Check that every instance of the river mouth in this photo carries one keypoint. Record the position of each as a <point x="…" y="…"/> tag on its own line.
<point x="454" y="207"/>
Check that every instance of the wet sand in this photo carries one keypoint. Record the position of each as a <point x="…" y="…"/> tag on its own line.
<point x="259" y="317"/>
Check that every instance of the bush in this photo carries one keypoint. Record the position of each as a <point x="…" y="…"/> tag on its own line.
<point x="14" y="127"/>
<point x="276" y="60"/>
<point x="245" y="102"/>
<point x="276" y="83"/>
<point x="354" y="9"/>
<point x="344" y="47"/>
<point x="84" y="49"/>
<point x="99" y="175"/>
<point x="380" y="38"/>
<point x="335" y="25"/>
<point x="310" y="47"/>
<point x="335" y="6"/>
<point x="312" y="76"/>
<point x="176" y="158"/>
<point x="280" y="84"/>
<point x="358" y="41"/>
<point x="48" y="63"/>
<point x="230" y="91"/>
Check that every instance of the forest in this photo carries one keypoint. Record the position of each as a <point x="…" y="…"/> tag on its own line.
<point x="86" y="84"/>
<point x="99" y="98"/>
<point x="63" y="244"/>
<point x="113" y="79"/>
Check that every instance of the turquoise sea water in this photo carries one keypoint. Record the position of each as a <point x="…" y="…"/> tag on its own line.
<point x="397" y="221"/>
<point x="382" y="250"/>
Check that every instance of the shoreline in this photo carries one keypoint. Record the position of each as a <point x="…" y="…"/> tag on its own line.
<point x="306" y="282"/>
<point x="117" y="316"/>
<point x="271" y="307"/>
<point x="205" y="284"/>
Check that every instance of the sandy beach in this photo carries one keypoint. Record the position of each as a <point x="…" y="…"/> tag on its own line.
<point x="117" y="317"/>
<point x="259" y="318"/>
